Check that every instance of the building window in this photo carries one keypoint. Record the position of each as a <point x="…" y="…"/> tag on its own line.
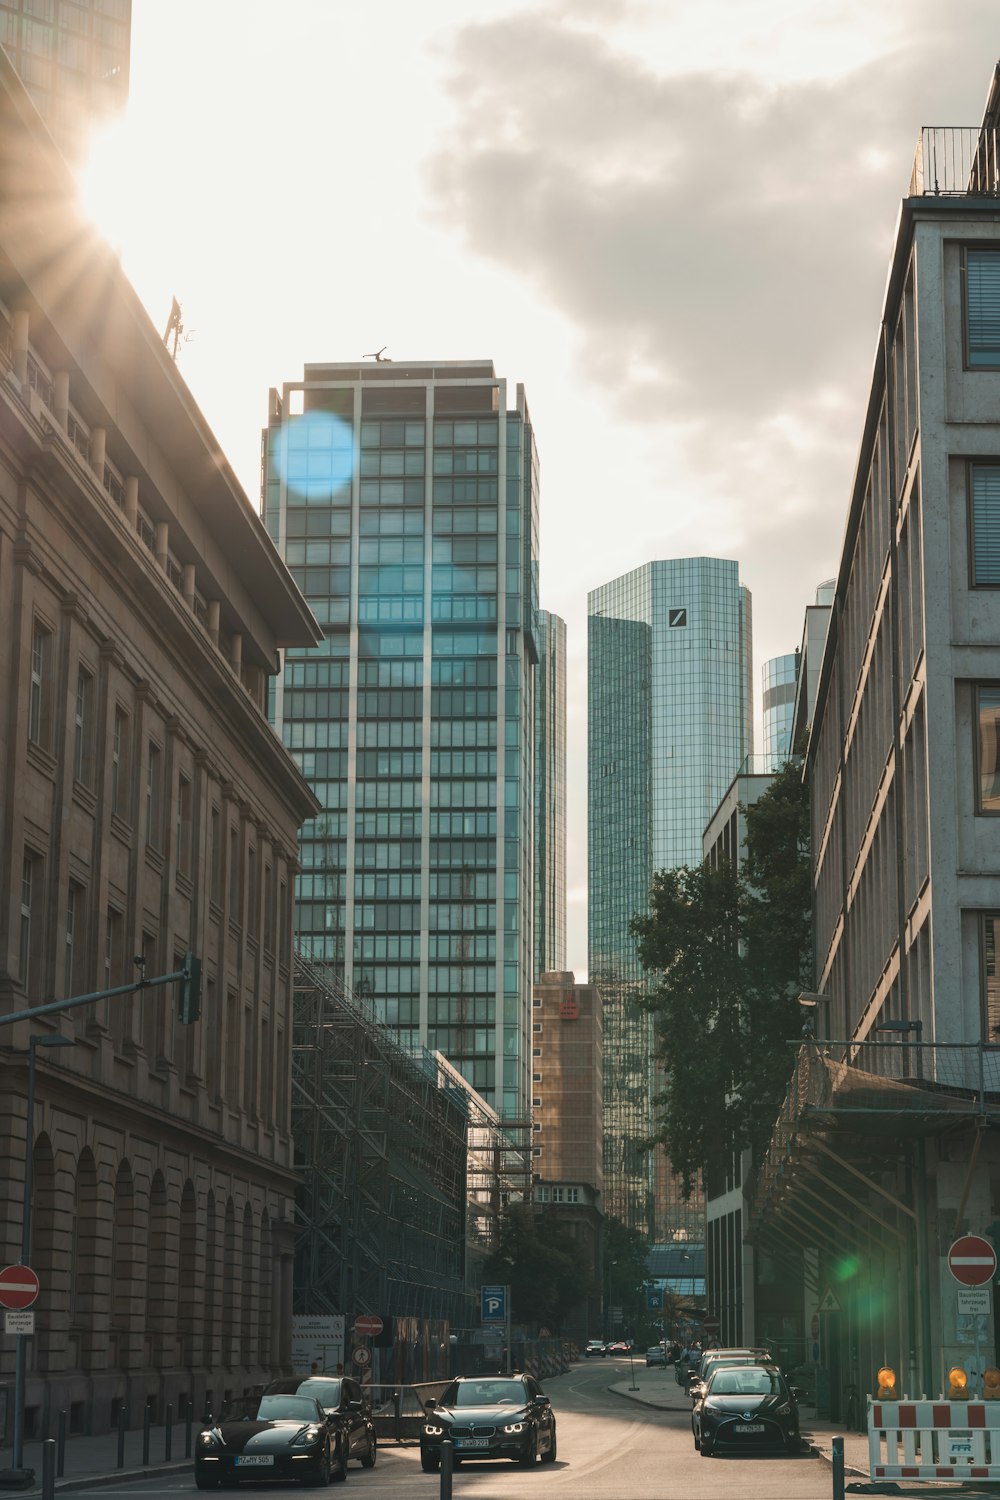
<point x="982" y="309"/>
<point x="989" y="943"/>
<point x="83" y="732"/>
<point x="29" y="949"/>
<point x="183" y="825"/>
<point x="985" y="525"/>
<point x="234" y="876"/>
<point x="541" y="1195"/>
<point x="154" y="783"/>
<point x="216" y="821"/>
<point x="120" y="765"/>
<point x="75" y="938"/>
<point x="38" y="702"/>
<point x="988" y="748"/>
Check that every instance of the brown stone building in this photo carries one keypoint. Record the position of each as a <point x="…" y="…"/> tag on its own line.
<point x="568" y="1120"/>
<point x="147" y="808"/>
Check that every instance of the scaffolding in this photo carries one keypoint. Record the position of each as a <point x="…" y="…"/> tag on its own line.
<point x="405" y="1168"/>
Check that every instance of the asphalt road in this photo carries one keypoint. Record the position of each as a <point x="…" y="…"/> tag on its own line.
<point x="609" y="1449"/>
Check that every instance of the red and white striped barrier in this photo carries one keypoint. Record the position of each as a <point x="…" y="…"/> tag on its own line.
<point x="934" y="1439"/>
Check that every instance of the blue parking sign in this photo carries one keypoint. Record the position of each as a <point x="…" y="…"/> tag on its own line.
<point x="493" y="1304"/>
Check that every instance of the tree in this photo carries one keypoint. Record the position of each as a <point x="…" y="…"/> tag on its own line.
<point x="540" y="1262"/>
<point x="728" y="952"/>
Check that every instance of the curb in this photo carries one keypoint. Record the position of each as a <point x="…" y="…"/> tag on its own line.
<point x="116" y="1476"/>
<point x="827" y="1457"/>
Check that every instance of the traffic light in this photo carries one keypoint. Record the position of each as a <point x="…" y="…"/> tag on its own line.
<point x="189" y="1008"/>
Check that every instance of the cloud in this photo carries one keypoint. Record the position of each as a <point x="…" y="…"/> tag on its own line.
<point x="718" y="240"/>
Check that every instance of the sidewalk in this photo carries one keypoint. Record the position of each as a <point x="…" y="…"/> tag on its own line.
<point x="658" y="1388"/>
<point x="92" y="1460"/>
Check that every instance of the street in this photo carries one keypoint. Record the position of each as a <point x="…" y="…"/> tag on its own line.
<point x="610" y="1448"/>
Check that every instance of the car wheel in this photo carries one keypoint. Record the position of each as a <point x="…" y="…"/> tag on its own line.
<point x="549" y="1456"/>
<point x="322" y="1469"/>
<point x="368" y="1462"/>
<point x="430" y="1462"/>
<point x="530" y="1454"/>
<point x="339" y="1472"/>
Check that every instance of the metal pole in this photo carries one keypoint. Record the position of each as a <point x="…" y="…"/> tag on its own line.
<point x="838" y="1468"/>
<point x="187" y="1432"/>
<point x="121" y="1435"/>
<point x="48" y="1469"/>
<point x="923" y="1268"/>
<point x="146" y="1419"/>
<point x="447" y="1467"/>
<point x="61" y="1449"/>
<point x="21" y="1355"/>
<point x="168" y="1433"/>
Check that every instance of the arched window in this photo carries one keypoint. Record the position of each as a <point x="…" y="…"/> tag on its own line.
<point x="190" y="1291"/>
<point x="248" y="1325"/>
<point x="86" y="1305"/>
<point x="126" y="1272"/>
<point x="266" y="1271"/>
<point x="158" y="1320"/>
<point x="230" y="1282"/>
<point x="43" y="1228"/>
<point x="210" y="1320"/>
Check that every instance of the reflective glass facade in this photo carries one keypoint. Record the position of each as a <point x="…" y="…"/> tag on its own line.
<point x="73" y="58"/>
<point x="780" y="677"/>
<point x="404" y="500"/>
<point x="670" y="720"/>
<point x="550" y="796"/>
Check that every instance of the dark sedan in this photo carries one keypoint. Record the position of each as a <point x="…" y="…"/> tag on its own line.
<point x="748" y="1407"/>
<point x="269" y="1438"/>
<point x="348" y="1411"/>
<point x="489" y="1417"/>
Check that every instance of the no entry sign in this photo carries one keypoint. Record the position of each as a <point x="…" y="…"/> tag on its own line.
<point x="18" y="1286"/>
<point x="972" y="1260"/>
<point x="369" y="1325"/>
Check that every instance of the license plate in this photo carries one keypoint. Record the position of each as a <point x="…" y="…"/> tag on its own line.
<point x="472" y="1442"/>
<point x="252" y="1460"/>
<point x="748" y="1427"/>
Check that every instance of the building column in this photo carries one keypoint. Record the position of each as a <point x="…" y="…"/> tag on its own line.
<point x="214" y="610"/>
<point x="187" y="584"/>
<point x="161" y="545"/>
<point x="132" y="501"/>
<point x="98" y="451"/>
<point x="236" y="659"/>
<point x="60" y="398"/>
<point x="19" y="341"/>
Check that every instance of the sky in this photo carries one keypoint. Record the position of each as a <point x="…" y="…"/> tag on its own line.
<point x="670" y="221"/>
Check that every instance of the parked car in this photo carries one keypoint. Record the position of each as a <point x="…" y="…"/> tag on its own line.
<point x="746" y="1406"/>
<point x="489" y="1417"/>
<point x="347" y="1407"/>
<point x="269" y="1438"/>
<point x="618" y="1346"/>
<point x="596" y="1348"/>
<point x="715" y="1359"/>
<point x="656" y="1355"/>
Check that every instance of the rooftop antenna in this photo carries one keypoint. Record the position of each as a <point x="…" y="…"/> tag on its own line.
<point x="175" y="329"/>
<point x="379" y="356"/>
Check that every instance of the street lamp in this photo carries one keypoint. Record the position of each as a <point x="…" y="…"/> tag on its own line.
<point x="34" y="1042"/>
<point x="809" y="1000"/>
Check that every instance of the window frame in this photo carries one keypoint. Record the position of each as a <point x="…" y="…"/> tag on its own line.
<point x="992" y="249"/>
<point x="977" y="689"/>
<point x="972" y="466"/>
<point x="982" y="918"/>
<point x="40" y="685"/>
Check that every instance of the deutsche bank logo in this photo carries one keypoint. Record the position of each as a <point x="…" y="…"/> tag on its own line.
<point x="676" y="617"/>
<point x="494" y="1304"/>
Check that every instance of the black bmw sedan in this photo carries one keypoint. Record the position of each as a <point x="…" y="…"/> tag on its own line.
<point x="746" y="1407"/>
<point x="268" y="1437"/>
<point x="489" y="1416"/>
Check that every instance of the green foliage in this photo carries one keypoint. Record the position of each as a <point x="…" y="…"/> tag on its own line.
<point x="540" y="1263"/>
<point x="728" y="952"/>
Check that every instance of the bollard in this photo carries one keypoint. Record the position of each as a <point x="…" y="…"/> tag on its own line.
<point x="447" y="1468"/>
<point x="168" y="1433"/>
<point x="838" y="1468"/>
<point x="122" y="1419"/>
<point x="147" y="1417"/>
<point x="48" y="1469"/>
<point x="206" y="1415"/>
<point x="187" y="1432"/>
<point x="61" y="1449"/>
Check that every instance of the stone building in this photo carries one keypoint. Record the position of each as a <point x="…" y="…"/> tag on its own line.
<point x="147" y="809"/>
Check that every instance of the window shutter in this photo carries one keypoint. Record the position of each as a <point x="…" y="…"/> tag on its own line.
<point x="986" y="525"/>
<point x="983" y="279"/>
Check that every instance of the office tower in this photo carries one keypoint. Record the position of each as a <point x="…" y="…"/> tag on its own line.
<point x="780" y="679"/>
<point x="814" y="629"/>
<point x="73" y="58"/>
<point x="404" y="499"/>
<point x="550" y="795"/>
<point x="670" y="720"/>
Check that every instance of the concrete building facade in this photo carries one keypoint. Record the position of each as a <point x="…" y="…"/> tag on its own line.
<point x="147" y="809"/>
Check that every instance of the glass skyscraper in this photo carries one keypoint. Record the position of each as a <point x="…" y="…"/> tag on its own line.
<point x="670" y="720"/>
<point x="550" y="796"/>
<point x="73" y="58"/>
<point x="780" y="680"/>
<point x="404" y="498"/>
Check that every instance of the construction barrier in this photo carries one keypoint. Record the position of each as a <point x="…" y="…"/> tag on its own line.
<point x="934" y="1439"/>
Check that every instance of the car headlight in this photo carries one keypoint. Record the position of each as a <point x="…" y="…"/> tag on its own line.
<point x="209" y="1439"/>
<point x="303" y="1439"/>
<point x="784" y="1410"/>
<point x="514" y="1427"/>
<point x="432" y="1430"/>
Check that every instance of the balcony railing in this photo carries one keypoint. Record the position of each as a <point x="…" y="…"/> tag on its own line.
<point x="956" y="161"/>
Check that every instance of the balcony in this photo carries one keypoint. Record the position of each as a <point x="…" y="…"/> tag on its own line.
<point x="955" y="161"/>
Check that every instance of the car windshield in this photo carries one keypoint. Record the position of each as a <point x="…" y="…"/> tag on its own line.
<point x="326" y="1392"/>
<point x="270" y="1409"/>
<point x="754" y="1381"/>
<point x="484" y="1393"/>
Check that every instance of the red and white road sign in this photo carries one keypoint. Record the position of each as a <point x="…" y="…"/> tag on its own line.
<point x="368" y="1326"/>
<point x="18" y="1286"/>
<point x="972" y="1260"/>
<point x="711" y="1325"/>
<point x="362" y="1356"/>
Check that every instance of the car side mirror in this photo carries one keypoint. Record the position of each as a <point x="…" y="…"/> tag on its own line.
<point x="795" y="1391"/>
<point x="429" y="1404"/>
<point x="356" y="1403"/>
<point x="542" y="1401"/>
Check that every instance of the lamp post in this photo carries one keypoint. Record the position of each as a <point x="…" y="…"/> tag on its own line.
<point x="20" y="1365"/>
